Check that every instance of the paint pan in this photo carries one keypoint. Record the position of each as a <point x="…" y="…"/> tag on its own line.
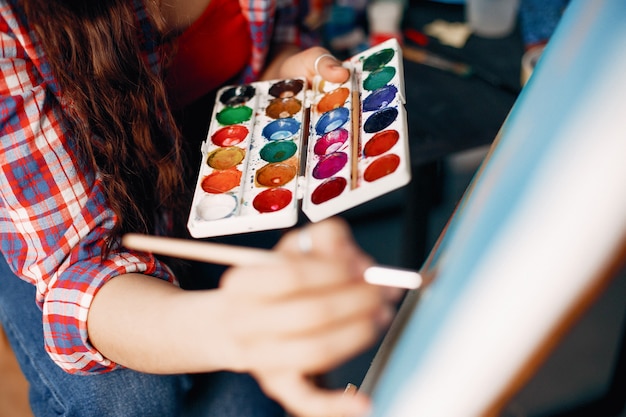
<point x="276" y="147"/>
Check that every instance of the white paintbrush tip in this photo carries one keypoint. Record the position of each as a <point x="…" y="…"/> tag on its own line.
<point x="393" y="277"/>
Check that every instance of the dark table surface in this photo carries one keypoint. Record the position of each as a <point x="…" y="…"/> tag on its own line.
<point x="448" y="113"/>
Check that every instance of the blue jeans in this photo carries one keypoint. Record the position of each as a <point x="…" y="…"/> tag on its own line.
<point x="123" y="393"/>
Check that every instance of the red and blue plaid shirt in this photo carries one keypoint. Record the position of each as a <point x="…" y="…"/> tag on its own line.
<point x="53" y="213"/>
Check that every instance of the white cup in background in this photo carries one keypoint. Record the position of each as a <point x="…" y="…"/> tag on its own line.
<point x="491" y="18"/>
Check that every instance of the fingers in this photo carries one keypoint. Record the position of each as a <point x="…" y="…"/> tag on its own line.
<point x="305" y="316"/>
<point x="326" y="237"/>
<point x="315" y="352"/>
<point x="314" y="61"/>
<point x="302" y="398"/>
<point x="333" y="260"/>
<point x="312" y="313"/>
<point x="311" y="332"/>
<point x="329" y="67"/>
<point x="331" y="238"/>
<point x="291" y="276"/>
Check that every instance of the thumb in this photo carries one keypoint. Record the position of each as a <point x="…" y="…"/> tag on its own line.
<point x="330" y="68"/>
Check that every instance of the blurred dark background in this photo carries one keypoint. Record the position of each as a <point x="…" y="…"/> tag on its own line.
<point x="452" y="121"/>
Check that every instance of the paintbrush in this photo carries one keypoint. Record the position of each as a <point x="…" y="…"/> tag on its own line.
<point x="356" y="130"/>
<point x="458" y="68"/>
<point x="224" y="254"/>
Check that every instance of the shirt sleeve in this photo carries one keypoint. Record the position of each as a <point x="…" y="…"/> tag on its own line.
<point x="53" y="213"/>
<point x="274" y="22"/>
<point x="290" y="24"/>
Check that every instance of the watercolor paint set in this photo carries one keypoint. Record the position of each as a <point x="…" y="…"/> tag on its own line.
<point x="274" y="147"/>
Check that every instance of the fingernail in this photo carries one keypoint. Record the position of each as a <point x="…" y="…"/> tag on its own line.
<point x="351" y="389"/>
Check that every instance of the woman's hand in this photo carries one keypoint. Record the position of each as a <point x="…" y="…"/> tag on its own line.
<point x="283" y="322"/>
<point x="290" y="62"/>
<point x="305" y="317"/>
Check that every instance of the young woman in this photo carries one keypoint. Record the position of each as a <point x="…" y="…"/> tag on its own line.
<point x="96" y="101"/>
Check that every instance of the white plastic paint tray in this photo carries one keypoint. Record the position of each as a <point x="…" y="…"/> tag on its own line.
<point x="276" y="146"/>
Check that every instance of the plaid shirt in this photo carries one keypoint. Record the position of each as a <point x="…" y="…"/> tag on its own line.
<point x="53" y="214"/>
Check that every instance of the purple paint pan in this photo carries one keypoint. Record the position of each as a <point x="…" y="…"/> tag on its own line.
<point x="380" y="98"/>
<point x="329" y="165"/>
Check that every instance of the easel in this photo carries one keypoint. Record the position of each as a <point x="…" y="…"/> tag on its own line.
<point x="512" y="252"/>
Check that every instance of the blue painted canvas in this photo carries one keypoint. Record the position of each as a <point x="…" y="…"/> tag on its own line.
<point x="537" y="226"/>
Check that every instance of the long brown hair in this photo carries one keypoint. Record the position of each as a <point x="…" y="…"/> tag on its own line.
<point x="118" y="103"/>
